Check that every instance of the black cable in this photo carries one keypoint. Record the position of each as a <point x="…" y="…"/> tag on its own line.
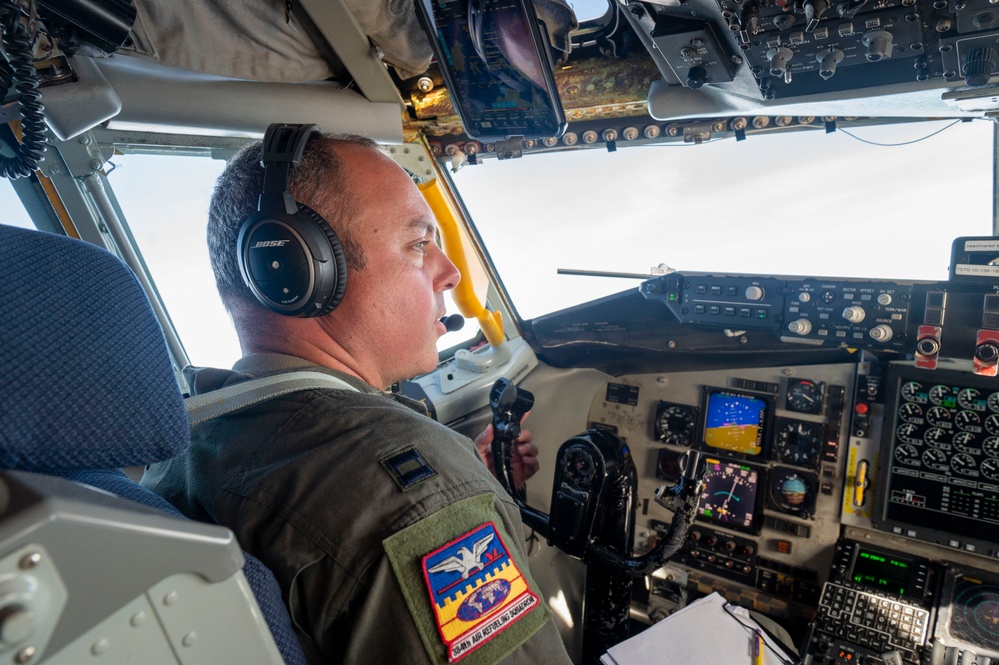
<point x="17" y="46"/>
<point x="895" y="145"/>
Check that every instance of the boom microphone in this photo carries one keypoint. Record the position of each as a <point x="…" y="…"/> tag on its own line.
<point x="453" y="322"/>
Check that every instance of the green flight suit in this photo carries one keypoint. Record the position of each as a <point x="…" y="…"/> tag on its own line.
<point x="361" y="504"/>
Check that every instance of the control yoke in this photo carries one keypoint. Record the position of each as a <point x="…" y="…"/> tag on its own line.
<point x="595" y="478"/>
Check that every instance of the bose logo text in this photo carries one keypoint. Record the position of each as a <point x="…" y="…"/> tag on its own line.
<point x="270" y="243"/>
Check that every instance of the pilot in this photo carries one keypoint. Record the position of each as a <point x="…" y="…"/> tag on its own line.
<point x="390" y="538"/>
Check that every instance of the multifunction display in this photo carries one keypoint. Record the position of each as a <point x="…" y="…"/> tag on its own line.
<point x="731" y="496"/>
<point x="941" y="456"/>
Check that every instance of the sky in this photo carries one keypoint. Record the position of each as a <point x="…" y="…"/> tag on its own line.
<point x="807" y="203"/>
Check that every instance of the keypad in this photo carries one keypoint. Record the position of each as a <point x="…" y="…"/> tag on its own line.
<point x="878" y="623"/>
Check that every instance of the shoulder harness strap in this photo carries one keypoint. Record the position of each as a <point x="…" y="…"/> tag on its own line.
<point x="204" y="407"/>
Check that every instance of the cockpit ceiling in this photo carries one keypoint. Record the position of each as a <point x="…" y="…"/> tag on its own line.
<point x="905" y="59"/>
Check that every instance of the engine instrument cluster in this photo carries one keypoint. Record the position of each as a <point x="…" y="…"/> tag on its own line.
<point x="940" y="477"/>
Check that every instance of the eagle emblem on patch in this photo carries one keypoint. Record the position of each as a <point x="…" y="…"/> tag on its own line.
<point x="476" y="589"/>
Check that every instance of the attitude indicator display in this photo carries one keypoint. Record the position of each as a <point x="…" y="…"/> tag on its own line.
<point x="736" y="422"/>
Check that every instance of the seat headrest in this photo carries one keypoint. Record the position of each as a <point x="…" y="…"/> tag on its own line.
<point x="86" y="380"/>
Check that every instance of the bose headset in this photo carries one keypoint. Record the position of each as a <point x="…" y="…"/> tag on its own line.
<point x="289" y="256"/>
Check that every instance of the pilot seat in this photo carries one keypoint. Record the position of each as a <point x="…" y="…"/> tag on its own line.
<point x="109" y="575"/>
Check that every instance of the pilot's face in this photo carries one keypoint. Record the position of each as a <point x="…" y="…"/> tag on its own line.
<point x="388" y="319"/>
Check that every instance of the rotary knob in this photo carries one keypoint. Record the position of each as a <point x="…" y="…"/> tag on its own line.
<point x="754" y="293"/>
<point x="17" y="623"/>
<point x="879" y="45"/>
<point x="980" y="65"/>
<point x="696" y="77"/>
<point x="881" y="333"/>
<point x="800" y="326"/>
<point x="854" y="314"/>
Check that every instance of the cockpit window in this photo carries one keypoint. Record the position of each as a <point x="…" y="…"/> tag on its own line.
<point x="14" y="213"/>
<point x="808" y="203"/>
<point x="165" y="202"/>
<point x="589" y="10"/>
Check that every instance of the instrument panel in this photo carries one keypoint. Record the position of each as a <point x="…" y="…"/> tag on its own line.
<point x="836" y="495"/>
<point x="768" y="516"/>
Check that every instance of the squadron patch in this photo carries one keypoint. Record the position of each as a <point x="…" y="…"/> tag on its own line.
<point x="476" y="590"/>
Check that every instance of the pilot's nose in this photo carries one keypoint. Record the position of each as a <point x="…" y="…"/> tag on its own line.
<point x="448" y="275"/>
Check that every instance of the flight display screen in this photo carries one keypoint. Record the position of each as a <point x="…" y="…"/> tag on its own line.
<point x="941" y="452"/>
<point x="881" y="571"/>
<point x="735" y="422"/>
<point x="731" y="495"/>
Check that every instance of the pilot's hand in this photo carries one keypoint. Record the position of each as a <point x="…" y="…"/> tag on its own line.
<point x="523" y="454"/>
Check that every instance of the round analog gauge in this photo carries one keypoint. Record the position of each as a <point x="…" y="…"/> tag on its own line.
<point x="798" y="442"/>
<point x="793" y="492"/>
<point x="913" y="391"/>
<point x="965" y="442"/>
<point x="964" y="464"/>
<point x="969" y="398"/>
<point x="907" y="454"/>
<point x="937" y="437"/>
<point x="938" y="416"/>
<point x="935" y="459"/>
<point x="910" y="412"/>
<point x="990" y="469"/>
<point x="993" y="402"/>
<point x="990" y="446"/>
<point x="804" y="396"/>
<point x="969" y="421"/>
<point x="675" y="423"/>
<point x="909" y="433"/>
<point x="941" y="394"/>
<point x="992" y="424"/>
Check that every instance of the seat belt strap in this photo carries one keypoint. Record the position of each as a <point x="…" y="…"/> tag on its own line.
<point x="215" y="403"/>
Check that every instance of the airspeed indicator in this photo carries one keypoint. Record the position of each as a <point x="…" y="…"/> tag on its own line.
<point x="675" y="423"/>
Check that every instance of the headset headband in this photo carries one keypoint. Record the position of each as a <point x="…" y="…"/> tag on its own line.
<point x="282" y="150"/>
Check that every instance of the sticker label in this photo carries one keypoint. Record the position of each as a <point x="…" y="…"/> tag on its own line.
<point x="967" y="269"/>
<point x="981" y="245"/>
<point x="476" y="589"/>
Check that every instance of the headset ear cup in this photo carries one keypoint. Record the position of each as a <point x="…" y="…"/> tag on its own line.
<point x="332" y="278"/>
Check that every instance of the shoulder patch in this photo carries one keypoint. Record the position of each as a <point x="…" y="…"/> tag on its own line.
<point x="407" y="467"/>
<point x="466" y="583"/>
<point x="476" y="590"/>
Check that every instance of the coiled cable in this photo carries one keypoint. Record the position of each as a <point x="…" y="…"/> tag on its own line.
<point x="17" y="46"/>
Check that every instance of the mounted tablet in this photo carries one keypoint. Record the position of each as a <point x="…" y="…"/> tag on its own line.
<point x="496" y="66"/>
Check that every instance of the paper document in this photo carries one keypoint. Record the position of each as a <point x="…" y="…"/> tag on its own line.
<point x="703" y="632"/>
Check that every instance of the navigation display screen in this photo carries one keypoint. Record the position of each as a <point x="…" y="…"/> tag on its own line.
<point x="492" y="56"/>
<point x="735" y="422"/>
<point x="731" y="495"/>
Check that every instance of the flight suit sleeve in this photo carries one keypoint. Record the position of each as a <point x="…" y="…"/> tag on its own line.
<point x="466" y="584"/>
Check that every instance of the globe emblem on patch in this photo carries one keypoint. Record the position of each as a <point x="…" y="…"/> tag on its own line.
<point x="484" y="599"/>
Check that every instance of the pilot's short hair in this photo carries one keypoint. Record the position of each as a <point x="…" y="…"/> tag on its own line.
<point x="316" y="181"/>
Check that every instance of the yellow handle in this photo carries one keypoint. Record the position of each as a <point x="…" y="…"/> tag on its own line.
<point x="860" y="483"/>
<point x="469" y="294"/>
